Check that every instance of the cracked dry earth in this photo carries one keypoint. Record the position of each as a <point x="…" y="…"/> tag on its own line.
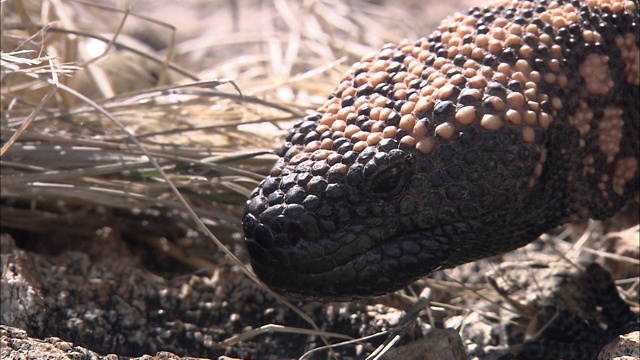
<point x="99" y="298"/>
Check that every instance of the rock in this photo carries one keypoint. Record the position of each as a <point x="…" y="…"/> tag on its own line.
<point x="623" y="243"/>
<point x="21" y="301"/>
<point x="439" y="344"/>
<point x="625" y="347"/>
<point x="17" y="344"/>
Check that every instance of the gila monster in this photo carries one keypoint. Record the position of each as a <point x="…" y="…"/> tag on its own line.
<point x="507" y="121"/>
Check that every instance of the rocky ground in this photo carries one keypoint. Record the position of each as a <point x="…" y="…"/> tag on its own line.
<point x="80" y="301"/>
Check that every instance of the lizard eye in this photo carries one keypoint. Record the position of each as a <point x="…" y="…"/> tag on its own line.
<point x="390" y="182"/>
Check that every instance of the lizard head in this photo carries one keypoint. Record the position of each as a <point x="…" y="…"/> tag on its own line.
<point x="415" y="163"/>
<point x="357" y="219"/>
<point x="466" y="144"/>
<point x="330" y="223"/>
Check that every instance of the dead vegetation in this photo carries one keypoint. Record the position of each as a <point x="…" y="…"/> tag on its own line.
<point x="95" y="118"/>
<point x="115" y="120"/>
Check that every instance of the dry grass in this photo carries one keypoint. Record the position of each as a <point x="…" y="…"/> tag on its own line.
<point x="95" y="121"/>
<point x="86" y="106"/>
<point x="98" y="127"/>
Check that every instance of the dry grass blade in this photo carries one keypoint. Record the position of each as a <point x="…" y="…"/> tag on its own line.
<point x="26" y="124"/>
<point x="273" y="328"/>
<point x="360" y="340"/>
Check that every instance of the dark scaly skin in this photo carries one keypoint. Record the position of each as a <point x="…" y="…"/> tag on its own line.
<point x="507" y="121"/>
<point x="564" y="334"/>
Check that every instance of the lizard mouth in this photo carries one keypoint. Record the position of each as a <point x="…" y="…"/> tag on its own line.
<point x="350" y="263"/>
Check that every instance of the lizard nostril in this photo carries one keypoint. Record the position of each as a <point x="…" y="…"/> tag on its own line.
<point x="286" y="231"/>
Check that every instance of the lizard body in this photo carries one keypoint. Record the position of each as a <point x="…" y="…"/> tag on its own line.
<point x="506" y="122"/>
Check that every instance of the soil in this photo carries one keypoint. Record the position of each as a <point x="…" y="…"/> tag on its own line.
<point x="102" y="297"/>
